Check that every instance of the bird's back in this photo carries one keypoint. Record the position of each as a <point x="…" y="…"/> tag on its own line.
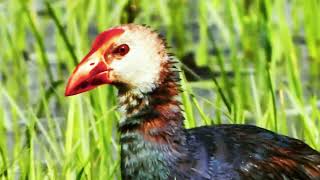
<point x="250" y="152"/>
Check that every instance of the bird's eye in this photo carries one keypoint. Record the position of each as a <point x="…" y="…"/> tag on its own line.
<point x="121" y="50"/>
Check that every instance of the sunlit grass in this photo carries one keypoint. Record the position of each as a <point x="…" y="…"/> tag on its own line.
<point x="264" y="54"/>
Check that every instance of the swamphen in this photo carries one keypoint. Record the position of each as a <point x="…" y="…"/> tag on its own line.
<point x="154" y="143"/>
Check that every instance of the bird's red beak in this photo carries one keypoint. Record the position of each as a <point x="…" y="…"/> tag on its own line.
<point x="89" y="74"/>
<point x="93" y="70"/>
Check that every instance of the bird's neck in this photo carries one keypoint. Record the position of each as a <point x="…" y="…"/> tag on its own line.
<point x="152" y="132"/>
<point x="156" y="114"/>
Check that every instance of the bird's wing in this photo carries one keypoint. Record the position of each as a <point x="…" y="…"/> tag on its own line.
<point x="269" y="160"/>
<point x="250" y="152"/>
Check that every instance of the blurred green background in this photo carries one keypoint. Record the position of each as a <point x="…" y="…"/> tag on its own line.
<point x="243" y="61"/>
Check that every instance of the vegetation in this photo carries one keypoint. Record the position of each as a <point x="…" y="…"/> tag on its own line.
<point x="264" y="57"/>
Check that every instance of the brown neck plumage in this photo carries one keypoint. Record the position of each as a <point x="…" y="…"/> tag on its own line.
<point x="157" y="114"/>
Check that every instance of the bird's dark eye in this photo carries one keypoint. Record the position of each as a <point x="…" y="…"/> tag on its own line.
<point x="121" y="50"/>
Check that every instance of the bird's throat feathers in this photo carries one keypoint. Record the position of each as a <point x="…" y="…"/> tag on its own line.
<point x="155" y="114"/>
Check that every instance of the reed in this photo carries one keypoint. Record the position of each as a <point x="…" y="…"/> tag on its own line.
<point x="263" y="55"/>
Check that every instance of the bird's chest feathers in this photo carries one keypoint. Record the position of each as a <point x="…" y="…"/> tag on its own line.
<point x="141" y="159"/>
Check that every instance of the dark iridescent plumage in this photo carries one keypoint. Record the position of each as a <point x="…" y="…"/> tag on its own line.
<point x="250" y="152"/>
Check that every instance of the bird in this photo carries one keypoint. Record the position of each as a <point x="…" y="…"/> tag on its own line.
<point x="154" y="141"/>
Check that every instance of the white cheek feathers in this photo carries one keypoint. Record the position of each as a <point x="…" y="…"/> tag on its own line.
<point x="141" y="66"/>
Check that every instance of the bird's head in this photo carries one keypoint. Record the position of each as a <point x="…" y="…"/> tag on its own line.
<point x="128" y="55"/>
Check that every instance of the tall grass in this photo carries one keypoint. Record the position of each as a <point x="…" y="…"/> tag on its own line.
<point x="264" y="57"/>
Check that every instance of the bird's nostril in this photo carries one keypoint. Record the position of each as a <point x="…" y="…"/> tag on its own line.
<point x="91" y="64"/>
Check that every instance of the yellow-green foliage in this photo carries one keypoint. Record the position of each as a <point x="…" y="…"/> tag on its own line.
<point x="266" y="54"/>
